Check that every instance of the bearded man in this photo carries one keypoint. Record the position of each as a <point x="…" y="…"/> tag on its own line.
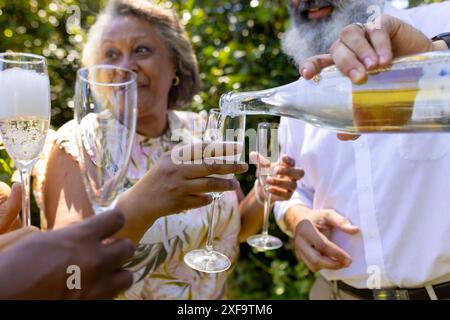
<point x="371" y="214"/>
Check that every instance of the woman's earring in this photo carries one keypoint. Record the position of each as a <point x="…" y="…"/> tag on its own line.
<point x="176" y="81"/>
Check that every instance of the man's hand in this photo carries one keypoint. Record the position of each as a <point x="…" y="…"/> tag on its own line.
<point x="312" y="238"/>
<point x="10" y="204"/>
<point x="36" y="268"/>
<point x="12" y="237"/>
<point x="359" y="50"/>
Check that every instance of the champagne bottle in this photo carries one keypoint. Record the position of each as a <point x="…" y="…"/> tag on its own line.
<point x="412" y="95"/>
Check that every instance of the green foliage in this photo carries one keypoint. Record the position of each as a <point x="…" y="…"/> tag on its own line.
<point x="52" y="28"/>
<point x="238" y="48"/>
<point x="6" y="167"/>
<point x="413" y="3"/>
<point x="270" y="275"/>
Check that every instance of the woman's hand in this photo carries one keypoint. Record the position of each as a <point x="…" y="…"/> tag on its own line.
<point x="179" y="181"/>
<point x="10" y="205"/>
<point x="182" y="186"/>
<point x="283" y="184"/>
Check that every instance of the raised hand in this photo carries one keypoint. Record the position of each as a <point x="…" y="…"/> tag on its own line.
<point x="37" y="267"/>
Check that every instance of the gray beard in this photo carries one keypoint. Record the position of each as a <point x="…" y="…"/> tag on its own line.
<point x="307" y="38"/>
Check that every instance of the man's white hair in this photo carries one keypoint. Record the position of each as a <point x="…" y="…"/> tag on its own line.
<point x="306" y="38"/>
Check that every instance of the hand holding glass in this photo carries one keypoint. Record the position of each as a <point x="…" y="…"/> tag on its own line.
<point x="25" y="114"/>
<point x="228" y="129"/>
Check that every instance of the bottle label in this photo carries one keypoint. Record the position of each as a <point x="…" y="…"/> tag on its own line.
<point x="433" y="97"/>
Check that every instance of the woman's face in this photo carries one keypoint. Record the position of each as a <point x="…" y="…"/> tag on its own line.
<point x="135" y="44"/>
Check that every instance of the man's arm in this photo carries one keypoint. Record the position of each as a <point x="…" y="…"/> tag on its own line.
<point x="294" y="215"/>
<point x="10" y="238"/>
<point x="37" y="267"/>
<point x="292" y="147"/>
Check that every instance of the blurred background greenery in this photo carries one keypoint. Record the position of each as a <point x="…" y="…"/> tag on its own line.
<point x="238" y="48"/>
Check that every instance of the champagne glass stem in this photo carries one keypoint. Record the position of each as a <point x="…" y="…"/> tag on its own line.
<point x="211" y="220"/>
<point x="267" y="203"/>
<point x="99" y="209"/>
<point x="25" y="177"/>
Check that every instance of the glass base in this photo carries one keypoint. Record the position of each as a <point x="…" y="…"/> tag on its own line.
<point x="264" y="242"/>
<point x="209" y="262"/>
<point x="99" y="209"/>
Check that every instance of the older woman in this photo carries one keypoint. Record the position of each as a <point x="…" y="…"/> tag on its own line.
<point x="142" y="37"/>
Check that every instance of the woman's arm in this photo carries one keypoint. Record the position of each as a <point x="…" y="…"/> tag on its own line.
<point x="168" y="188"/>
<point x="252" y="213"/>
<point x="65" y="198"/>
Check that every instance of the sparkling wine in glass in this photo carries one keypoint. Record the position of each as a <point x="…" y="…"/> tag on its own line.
<point x="106" y="116"/>
<point x="24" y="115"/>
<point x="268" y="149"/>
<point x="229" y="131"/>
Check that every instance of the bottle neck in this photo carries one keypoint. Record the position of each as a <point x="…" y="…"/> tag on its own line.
<point x="268" y="101"/>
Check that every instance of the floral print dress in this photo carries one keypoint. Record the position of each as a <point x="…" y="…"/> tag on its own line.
<point x="160" y="272"/>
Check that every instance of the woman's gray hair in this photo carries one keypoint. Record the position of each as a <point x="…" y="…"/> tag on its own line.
<point x="171" y="32"/>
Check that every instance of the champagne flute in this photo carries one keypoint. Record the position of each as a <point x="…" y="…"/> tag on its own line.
<point x="230" y="131"/>
<point x="106" y="116"/>
<point x="268" y="149"/>
<point x="25" y="114"/>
